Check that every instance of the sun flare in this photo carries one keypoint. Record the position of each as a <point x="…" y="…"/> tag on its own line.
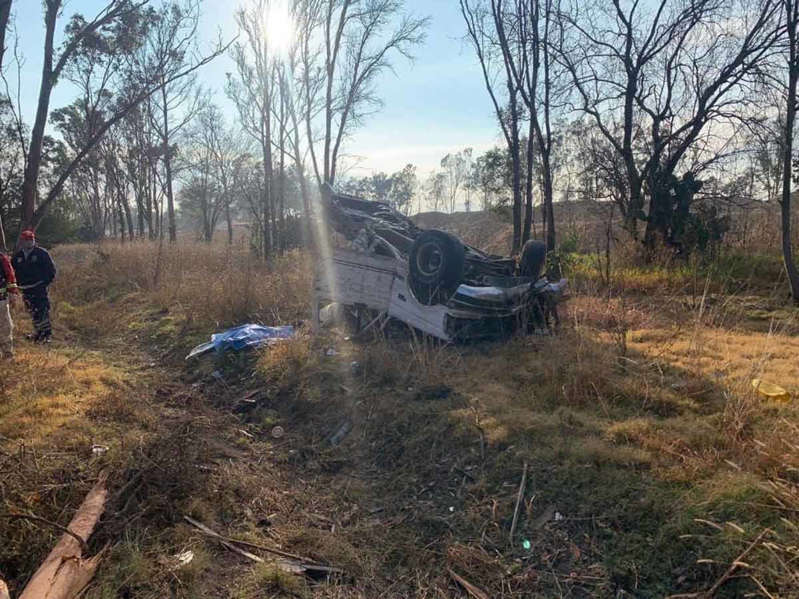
<point x="278" y="26"/>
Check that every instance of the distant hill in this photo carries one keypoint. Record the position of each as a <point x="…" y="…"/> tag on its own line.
<point x="487" y="230"/>
<point x="492" y="230"/>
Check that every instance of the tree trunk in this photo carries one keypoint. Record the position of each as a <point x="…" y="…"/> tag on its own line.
<point x="282" y="173"/>
<point x="5" y="13"/>
<point x="139" y="215"/>
<point x="170" y="198"/>
<point x="792" y="12"/>
<point x="229" y="221"/>
<point x="268" y="199"/>
<point x="29" y="184"/>
<point x="528" y="206"/>
<point x="549" y="210"/>
<point x="516" y="172"/>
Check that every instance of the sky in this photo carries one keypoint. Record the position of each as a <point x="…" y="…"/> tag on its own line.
<point x="433" y="105"/>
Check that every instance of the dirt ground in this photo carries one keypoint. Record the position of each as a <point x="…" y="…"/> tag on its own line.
<point x="650" y="463"/>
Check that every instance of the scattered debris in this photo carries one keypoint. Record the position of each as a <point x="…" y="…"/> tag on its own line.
<point x="99" y="449"/>
<point x="340" y="433"/>
<point x="474" y="591"/>
<point x="65" y="572"/>
<point x="558" y="516"/>
<point x="771" y="391"/>
<point x="519" y="498"/>
<point x="243" y="337"/>
<point x="526" y="544"/>
<point x="278" y="432"/>
<point x="249" y="401"/>
<point x="184" y="558"/>
<point x="292" y="563"/>
<point x="355" y="367"/>
<point x="331" y="351"/>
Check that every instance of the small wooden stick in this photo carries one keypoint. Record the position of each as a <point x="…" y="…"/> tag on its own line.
<point x="83" y="545"/>
<point x="474" y="591"/>
<point x="230" y="543"/>
<point x="519" y="498"/>
<point x="734" y="566"/>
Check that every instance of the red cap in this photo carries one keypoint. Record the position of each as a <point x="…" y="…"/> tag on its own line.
<point x="27" y="234"/>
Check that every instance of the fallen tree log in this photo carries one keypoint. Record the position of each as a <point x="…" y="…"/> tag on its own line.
<point x="65" y="572"/>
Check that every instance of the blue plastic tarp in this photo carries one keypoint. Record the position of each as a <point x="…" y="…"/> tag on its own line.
<point x="243" y="337"/>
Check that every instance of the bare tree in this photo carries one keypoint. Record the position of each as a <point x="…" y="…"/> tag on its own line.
<point x="225" y="149"/>
<point x="136" y="87"/>
<point x="653" y="77"/>
<point x="168" y="48"/>
<point x="253" y="90"/>
<point x="346" y="45"/>
<point x="52" y="68"/>
<point x="486" y="29"/>
<point x="456" y="168"/>
<point x="542" y="78"/>
<point x="524" y="31"/>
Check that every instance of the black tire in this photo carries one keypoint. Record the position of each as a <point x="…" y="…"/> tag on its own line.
<point x="533" y="258"/>
<point x="436" y="263"/>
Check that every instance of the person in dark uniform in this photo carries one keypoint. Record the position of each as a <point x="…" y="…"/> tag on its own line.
<point x="35" y="271"/>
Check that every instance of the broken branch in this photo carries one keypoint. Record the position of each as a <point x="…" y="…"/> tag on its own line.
<point x="734" y="566"/>
<point x="519" y="498"/>
<point x="474" y="591"/>
<point x="65" y="572"/>
<point x="63" y="529"/>
<point x="294" y="563"/>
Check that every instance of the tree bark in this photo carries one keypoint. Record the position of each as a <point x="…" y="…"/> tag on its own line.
<point x="42" y="110"/>
<point x="65" y="572"/>
<point x="528" y="206"/>
<point x="549" y="208"/>
<point x="515" y="170"/>
<point x="5" y="14"/>
<point x="792" y="18"/>
<point x="170" y="198"/>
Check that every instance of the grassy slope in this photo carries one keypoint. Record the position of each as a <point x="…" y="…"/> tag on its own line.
<point x="652" y="465"/>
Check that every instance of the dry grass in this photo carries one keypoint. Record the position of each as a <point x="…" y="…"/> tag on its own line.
<point x="652" y="464"/>
<point x="207" y="284"/>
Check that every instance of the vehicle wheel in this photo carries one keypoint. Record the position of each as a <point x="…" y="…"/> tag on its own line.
<point x="436" y="264"/>
<point x="534" y="255"/>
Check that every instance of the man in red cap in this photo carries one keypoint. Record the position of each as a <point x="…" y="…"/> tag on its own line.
<point x="8" y="292"/>
<point x="35" y="271"/>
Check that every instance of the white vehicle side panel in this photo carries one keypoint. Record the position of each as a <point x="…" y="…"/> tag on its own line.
<point x="352" y="278"/>
<point x="404" y="307"/>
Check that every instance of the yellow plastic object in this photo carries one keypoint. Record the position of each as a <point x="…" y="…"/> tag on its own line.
<point x="771" y="390"/>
